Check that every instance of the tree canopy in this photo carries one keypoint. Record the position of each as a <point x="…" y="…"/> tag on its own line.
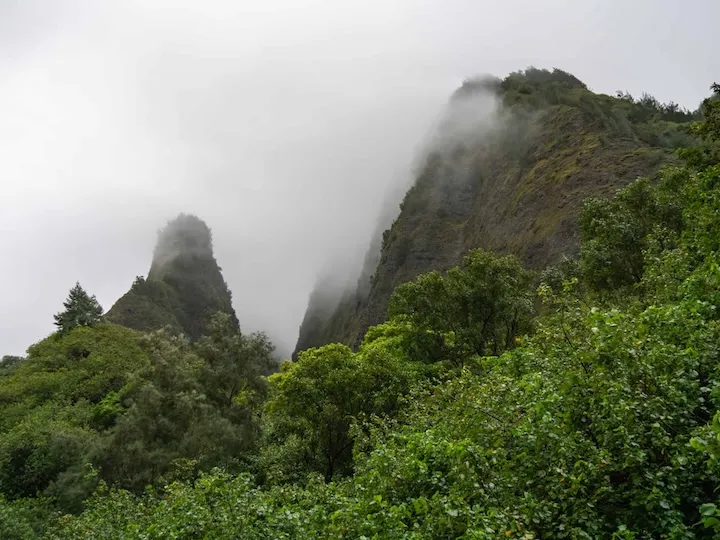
<point x="81" y="309"/>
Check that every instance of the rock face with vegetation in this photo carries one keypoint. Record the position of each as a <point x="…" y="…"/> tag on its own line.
<point x="512" y="183"/>
<point x="184" y="286"/>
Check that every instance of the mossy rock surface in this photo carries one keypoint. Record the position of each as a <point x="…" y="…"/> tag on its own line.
<point x="184" y="287"/>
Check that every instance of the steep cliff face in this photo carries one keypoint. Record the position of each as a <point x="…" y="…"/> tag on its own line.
<point x="512" y="181"/>
<point x="333" y="301"/>
<point x="184" y="286"/>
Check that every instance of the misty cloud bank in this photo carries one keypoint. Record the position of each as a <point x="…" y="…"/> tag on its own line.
<point x="289" y="127"/>
<point x="283" y="145"/>
<point x="184" y="235"/>
<point x="465" y="123"/>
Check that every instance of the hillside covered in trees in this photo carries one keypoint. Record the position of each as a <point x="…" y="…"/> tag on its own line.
<point x="497" y="399"/>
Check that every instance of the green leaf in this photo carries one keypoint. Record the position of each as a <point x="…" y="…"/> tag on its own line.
<point x="708" y="509"/>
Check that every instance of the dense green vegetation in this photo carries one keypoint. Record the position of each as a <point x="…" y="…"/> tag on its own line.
<point x="580" y="401"/>
<point x="106" y="405"/>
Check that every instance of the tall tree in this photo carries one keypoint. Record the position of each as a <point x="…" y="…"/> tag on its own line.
<point x="235" y="363"/>
<point x="478" y="308"/>
<point x="81" y="309"/>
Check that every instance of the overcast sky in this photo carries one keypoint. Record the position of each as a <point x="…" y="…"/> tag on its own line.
<point x="280" y="122"/>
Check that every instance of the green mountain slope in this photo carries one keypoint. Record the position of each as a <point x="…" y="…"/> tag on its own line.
<point x="184" y="287"/>
<point x="513" y="187"/>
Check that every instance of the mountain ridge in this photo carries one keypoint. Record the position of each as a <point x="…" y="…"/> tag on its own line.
<point x="516" y="189"/>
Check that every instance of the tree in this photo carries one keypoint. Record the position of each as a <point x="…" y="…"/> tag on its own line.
<point x="234" y="364"/>
<point x="315" y="402"/>
<point x="478" y="308"/>
<point x="9" y="363"/>
<point x="708" y="129"/>
<point x="316" y="399"/>
<point x="170" y="422"/>
<point x="615" y="233"/>
<point x="80" y="310"/>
